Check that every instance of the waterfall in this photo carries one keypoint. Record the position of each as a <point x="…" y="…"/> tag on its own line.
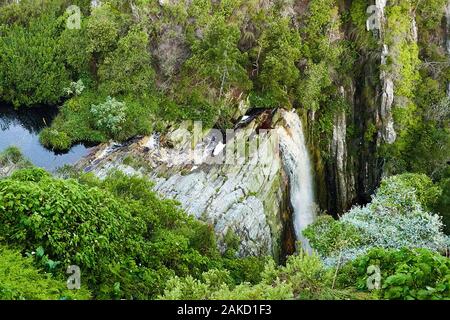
<point x="297" y="165"/>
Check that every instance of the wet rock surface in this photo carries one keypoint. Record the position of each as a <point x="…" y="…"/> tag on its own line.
<point x="243" y="195"/>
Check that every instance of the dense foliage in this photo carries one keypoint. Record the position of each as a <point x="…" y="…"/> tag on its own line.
<point x="393" y="234"/>
<point x="126" y="241"/>
<point x="200" y="61"/>
<point x="396" y="218"/>
<point x="20" y="279"/>
<point x="133" y="67"/>
<point x="303" y="277"/>
<point x="405" y="274"/>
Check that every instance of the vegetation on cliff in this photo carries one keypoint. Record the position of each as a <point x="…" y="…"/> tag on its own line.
<point x="135" y="67"/>
<point x="126" y="240"/>
<point x="130" y="244"/>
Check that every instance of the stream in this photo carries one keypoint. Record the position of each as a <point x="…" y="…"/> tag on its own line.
<point x="21" y="128"/>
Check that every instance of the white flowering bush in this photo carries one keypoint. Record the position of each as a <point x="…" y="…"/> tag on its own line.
<point x="407" y="192"/>
<point x="110" y="115"/>
<point x="75" y="88"/>
<point x="346" y="255"/>
<point x="386" y="228"/>
<point x="395" y="219"/>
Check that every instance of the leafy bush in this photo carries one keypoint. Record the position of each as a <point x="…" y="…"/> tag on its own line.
<point x="13" y="157"/>
<point x="303" y="277"/>
<point x="405" y="273"/>
<point x="329" y="236"/>
<point x="102" y="31"/>
<point x="278" y="79"/>
<point x="311" y="88"/>
<point x="394" y="219"/>
<point x="32" y="71"/>
<point x="75" y="88"/>
<point x="54" y="139"/>
<point x="128" y="69"/>
<point x="216" y="56"/>
<point x="109" y="115"/>
<point x="126" y="241"/>
<point x="430" y="14"/>
<point x="30" y="175"/>
<point x="21" y="280"/>
<point x="443" y="203"/>
<point x="413" y="187"/>
<point x="77" y="123"/>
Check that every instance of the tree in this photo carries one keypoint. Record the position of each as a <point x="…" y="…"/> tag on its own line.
<point x="32" y="70"/>
<point x="280" y="51"/>
<point x="128" y="69"/>
<point x="216" y="56"/>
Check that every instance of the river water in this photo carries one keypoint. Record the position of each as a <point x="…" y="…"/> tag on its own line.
<point x="21" y="128"/>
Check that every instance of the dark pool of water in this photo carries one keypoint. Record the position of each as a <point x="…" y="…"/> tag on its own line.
<point x="21" y="128"/>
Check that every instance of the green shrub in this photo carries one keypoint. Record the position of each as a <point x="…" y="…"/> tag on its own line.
<point x="102" y="31"/>
<point x="110" y="115"/>
<point x="216" y="56"/>
<point x="443" y="203"/>
<point x="13" y="156"/>
<point x="303" y="277"/>
<point x="395" y="218"/>
<point x="32" y="70"/>
<point x="329" y="236"/>
<point x="75" y="88"/>
<point x="126" y="240"/>
<point x="21" y="280"/>
<point x="54" y="139"/>
<point x="415" y="187"/>
<point x="278" y="78"/>
<point x="127" y="69"/>
<point x="30" y="175"/>
<point x="94" y="118"/>
<point x="406" y="274"/>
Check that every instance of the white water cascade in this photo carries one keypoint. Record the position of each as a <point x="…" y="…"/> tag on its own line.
<point x="297" y="165"/>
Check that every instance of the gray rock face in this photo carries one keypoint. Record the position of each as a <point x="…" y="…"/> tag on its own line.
<point x="387" y="132"/>
<point x="447" y="40"/>
<point x="171" y="50"/>
<point x="344" y="178"/>
<point x="7" y="169"/>
<point x="447" y="19"/>
<point x="246" y="196"/>
<point x="229" y="199"/>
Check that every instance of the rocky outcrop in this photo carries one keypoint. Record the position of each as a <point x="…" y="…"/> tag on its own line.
<point x="6" y="169"/>
<point x="353" y="167"/>
<point x="341" y="175"/>
<point x="447" y="37"/>
<point x="387" y="132"/>
<point x="236" y="183"/>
